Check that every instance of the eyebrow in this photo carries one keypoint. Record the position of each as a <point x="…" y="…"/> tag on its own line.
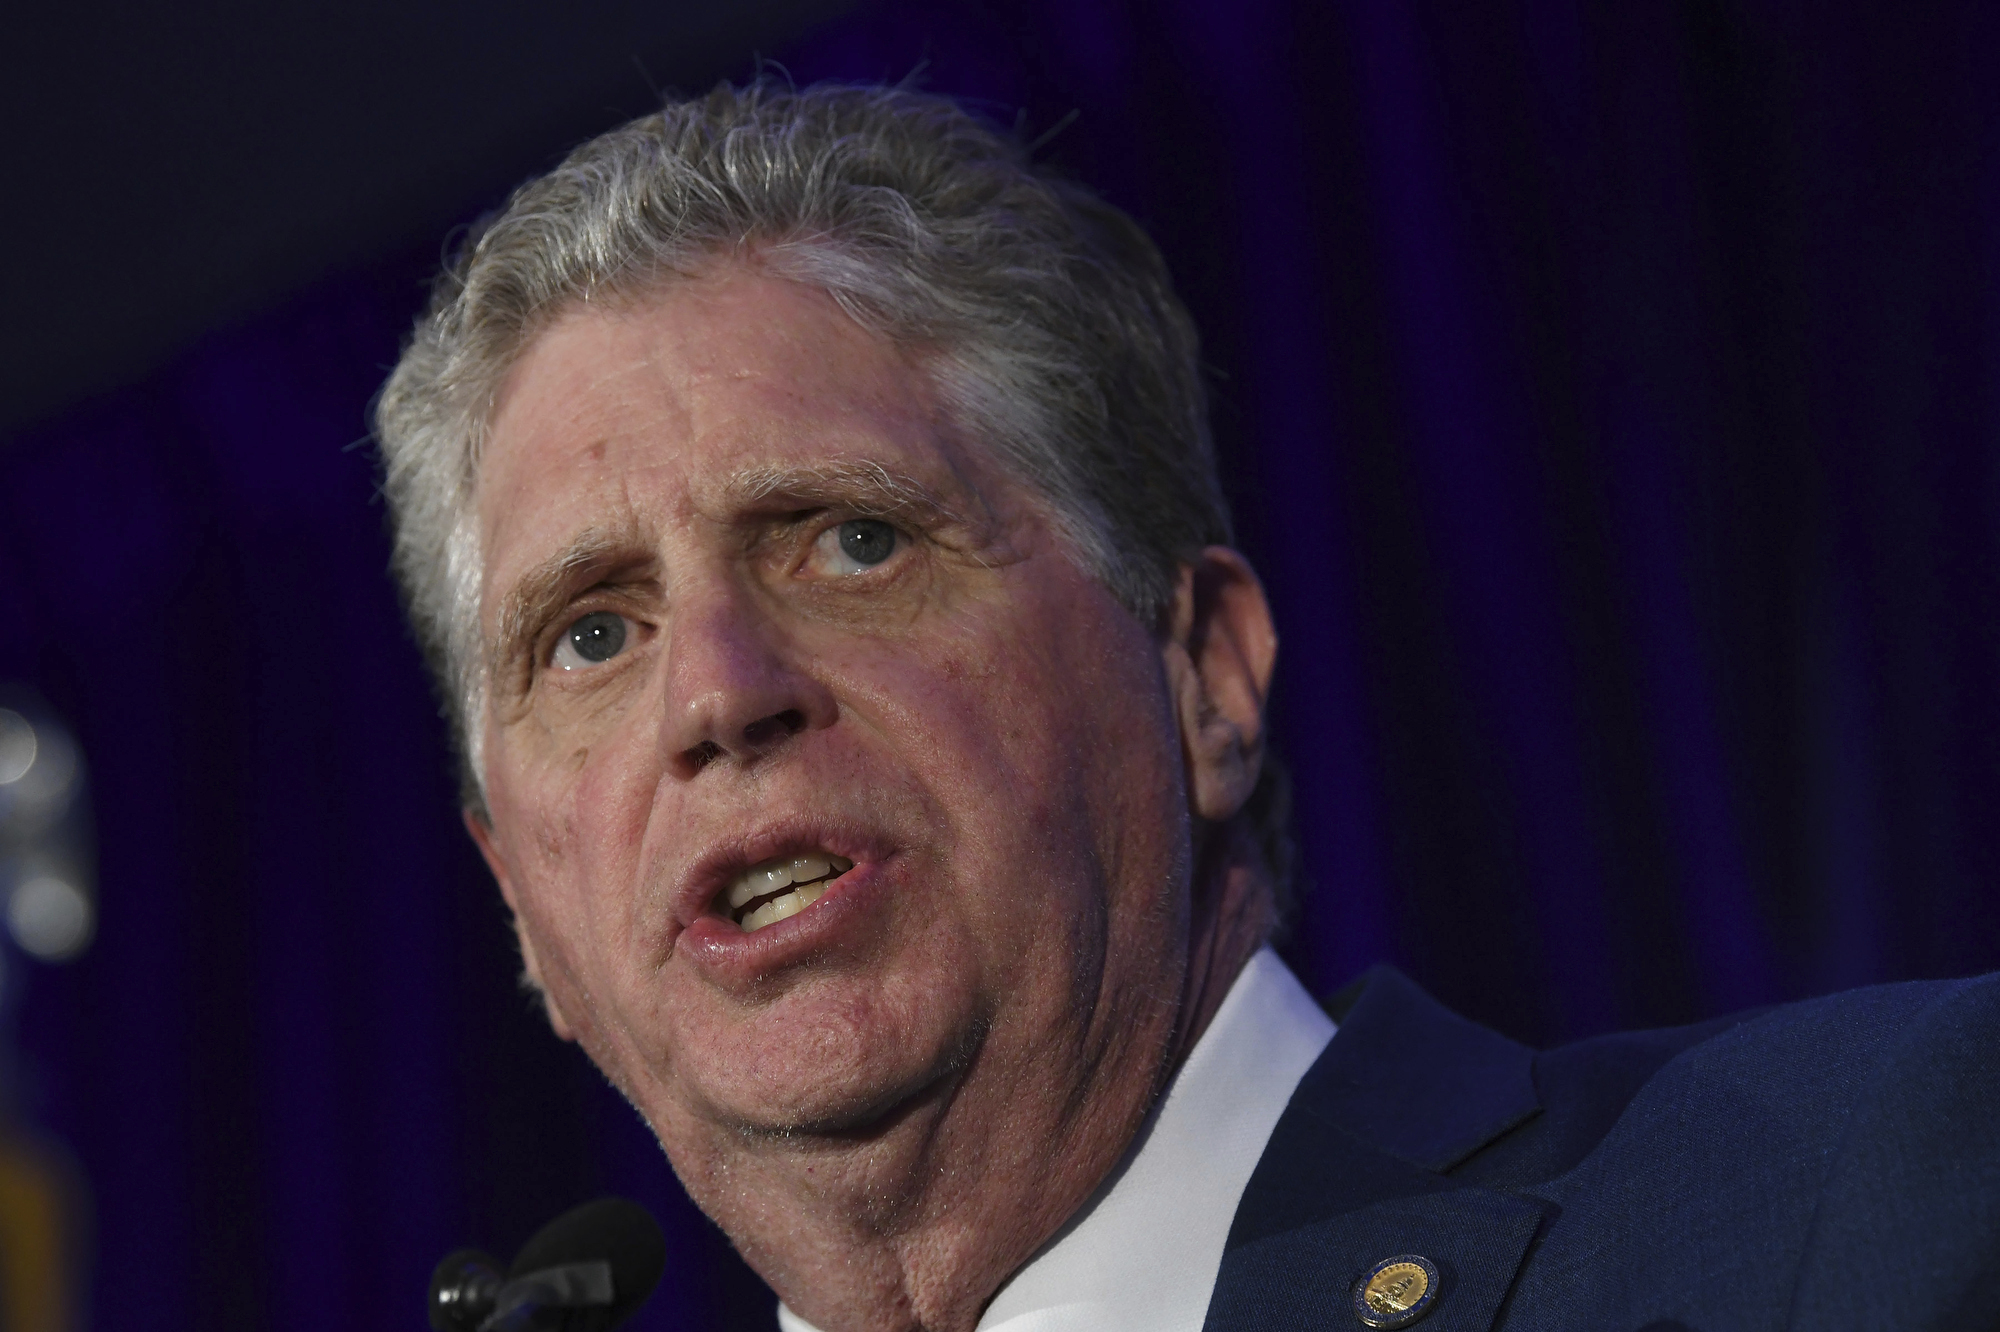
<point x="865" y="484"/>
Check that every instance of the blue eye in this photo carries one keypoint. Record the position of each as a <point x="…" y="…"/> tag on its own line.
<point x="597" y="637"/>
<point x="867" y="540"/>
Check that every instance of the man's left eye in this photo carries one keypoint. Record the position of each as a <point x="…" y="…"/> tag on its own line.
<point x="856" y="545"/>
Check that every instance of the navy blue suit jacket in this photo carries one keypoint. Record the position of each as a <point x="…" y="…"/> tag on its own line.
<point x="1832" y="1164"/>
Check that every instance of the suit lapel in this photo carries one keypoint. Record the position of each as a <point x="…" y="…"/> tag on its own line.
<point x="1353" y="1173"/>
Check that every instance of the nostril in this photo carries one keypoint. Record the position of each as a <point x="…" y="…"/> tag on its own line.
<point x="702" y="755"/>
<point x="771" y="729"/>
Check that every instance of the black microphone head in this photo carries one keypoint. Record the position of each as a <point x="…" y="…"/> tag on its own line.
<point x="463" y="1289"/>
<point x="615" y="1230"/>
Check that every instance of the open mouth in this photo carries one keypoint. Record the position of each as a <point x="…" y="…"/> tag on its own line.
<point x="768" y="893"/>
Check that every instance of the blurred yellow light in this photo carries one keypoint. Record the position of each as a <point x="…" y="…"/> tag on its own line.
<point x="18" y="746"/>
<point x="50" y="917"/>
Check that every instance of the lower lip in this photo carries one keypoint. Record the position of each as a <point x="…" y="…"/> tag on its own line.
<point x="719" y="945"/>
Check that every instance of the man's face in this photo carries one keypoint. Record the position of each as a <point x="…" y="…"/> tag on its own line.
<point x="753" y="600"/>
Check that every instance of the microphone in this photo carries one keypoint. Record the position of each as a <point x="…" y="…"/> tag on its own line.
<point x="586" y="1271"/>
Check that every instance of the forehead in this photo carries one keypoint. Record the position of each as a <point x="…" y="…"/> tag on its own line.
<point x="664" y="409"/>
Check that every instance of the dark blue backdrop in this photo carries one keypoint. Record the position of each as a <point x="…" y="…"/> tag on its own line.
<point x="1609" y="395"/>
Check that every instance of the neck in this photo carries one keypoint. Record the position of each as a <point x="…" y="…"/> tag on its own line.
<point x="1235" y="911"/>
<point x="917" y="1227"/>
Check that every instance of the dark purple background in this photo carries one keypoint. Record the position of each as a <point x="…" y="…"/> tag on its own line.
<point x="1609" y="396"/>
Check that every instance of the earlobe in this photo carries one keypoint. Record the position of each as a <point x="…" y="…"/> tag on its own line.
<point x="1220" y="652"/>
<point x="531" y="971"/>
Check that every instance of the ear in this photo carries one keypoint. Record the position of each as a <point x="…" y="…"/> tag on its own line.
<point x="531" y="970"/>
<point x="1219" y="652"/>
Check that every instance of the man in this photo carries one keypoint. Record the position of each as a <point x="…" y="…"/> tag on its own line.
<point x="809" y="506"/>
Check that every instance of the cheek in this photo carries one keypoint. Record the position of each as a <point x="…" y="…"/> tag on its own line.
<point x="568" y="819"/>
<point x="576" y="920"/>
<point x="571" y="782"/>
<point x="534" y="798"/>
<point x="1042" y="749"/>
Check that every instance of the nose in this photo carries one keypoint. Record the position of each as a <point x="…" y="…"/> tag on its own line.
<point x="737" y="687"/>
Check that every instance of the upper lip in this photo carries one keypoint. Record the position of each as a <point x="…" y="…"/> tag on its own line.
<point x="710" y="873"/>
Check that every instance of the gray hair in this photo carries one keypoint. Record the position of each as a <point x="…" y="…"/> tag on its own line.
<point x="1043" y="315"/>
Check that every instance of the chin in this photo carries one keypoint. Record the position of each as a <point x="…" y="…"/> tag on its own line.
<point x="828" y="1116"/>
<point x="827" y="1066"/>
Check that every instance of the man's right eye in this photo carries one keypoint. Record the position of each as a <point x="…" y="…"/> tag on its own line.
<point x="592" y="640"/>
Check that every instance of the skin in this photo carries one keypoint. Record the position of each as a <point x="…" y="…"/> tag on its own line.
<point x="890" y="1100"/>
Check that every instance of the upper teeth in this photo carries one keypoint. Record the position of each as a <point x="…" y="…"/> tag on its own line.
<point x="799" y="873"/>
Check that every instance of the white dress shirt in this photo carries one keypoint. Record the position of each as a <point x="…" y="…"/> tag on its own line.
<point x="1141" y="1255"/>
